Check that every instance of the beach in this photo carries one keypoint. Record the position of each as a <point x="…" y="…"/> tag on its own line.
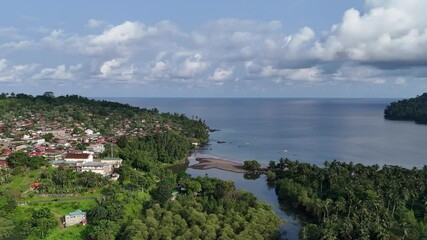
<point x="204" y="163"/>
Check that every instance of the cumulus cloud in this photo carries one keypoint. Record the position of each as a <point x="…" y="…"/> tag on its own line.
<point x="95" y="23"/>
<point x="10" y="73"/>
<point x="222" y="74"/>
<point x="115" y="69"/>
<point x="61" y="73"/>
<point x="366" y="45"/>
<point x="311" y="74"/>
<point x="191" y="66"/>
<point x="390" y="31"/>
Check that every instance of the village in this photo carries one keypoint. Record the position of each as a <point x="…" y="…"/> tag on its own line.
<point x="62" y="147"/>
<point x="61" y="157"/>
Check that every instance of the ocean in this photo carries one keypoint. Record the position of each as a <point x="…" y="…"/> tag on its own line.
<point x="308" y="130"/>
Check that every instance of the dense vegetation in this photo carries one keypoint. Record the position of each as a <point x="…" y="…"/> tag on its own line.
<point x="218" y="211"/>
<point x="147" y="202"/>
<point x="67" y="181"/>
<point x="413" y="109"/>
<point x="352" y="201"/>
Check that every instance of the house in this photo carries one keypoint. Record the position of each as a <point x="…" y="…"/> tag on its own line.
<point x="96" y="148"/>
<point x="89" y="132"/>
<point x="116" y="162"/>
<point x="21" y="147"/>
<point x="35" y="186"/>
<point x="105" y="169"/>
<point x="74" y="218"/>
<point x="79" y="157"/>
<point x="63" y="163"/>
<point x="38" y="141"/>
<point x="53" y="154"/>
<point x="57" y="133"/>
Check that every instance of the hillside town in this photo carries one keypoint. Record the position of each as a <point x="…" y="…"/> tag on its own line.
<point x="61" y="147"/>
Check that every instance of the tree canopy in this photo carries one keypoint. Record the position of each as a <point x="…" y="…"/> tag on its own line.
<point x="413" y="109"/>
<point x="353" y="201"/>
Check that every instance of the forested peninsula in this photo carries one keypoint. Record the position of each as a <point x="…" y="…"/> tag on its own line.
<point x="78" y="168"/>
<point x="413" y="109"/>
<point x="352" y="201"/>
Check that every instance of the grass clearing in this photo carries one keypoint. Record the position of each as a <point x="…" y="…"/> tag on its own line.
<point x="71" y="233"/>
<point x="63" y="208"/>
<point x="21" y="182"/>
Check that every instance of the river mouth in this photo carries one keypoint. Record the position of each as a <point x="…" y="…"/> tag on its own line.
<point x="256" y="184"/>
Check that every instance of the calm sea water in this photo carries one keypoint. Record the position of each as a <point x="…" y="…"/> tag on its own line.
<point x="309" y="130"/>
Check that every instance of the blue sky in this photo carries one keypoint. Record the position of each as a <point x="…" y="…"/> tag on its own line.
<point x="294" y="48"/>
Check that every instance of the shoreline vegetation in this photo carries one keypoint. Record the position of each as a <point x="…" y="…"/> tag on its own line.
<point x="412" y="109"/>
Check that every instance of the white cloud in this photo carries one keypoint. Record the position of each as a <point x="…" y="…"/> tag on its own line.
<point x="17" y="45"/>
<point x="364" y="46"/>
<point x="389" y="31"/>
<point x="107" y="67"/>
<point x="14" y="73"/>
<point x="158" y="71"/>
<point x="222" y="74"/>
<point x="94" y="23"/>
<point x="114" y="70"/>
<point x="60" y="73"/>
<point x="400" y="81"/>
<point x="122" y="33"/>
<point x="357" y="73"/>
<point x="191" y="66"/>
<point x="295" y="42"/>
<point x="379" y="81"/>
<point x="311" y="74"/>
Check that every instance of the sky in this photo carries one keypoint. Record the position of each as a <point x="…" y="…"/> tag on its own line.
<point x="239" y="48"/>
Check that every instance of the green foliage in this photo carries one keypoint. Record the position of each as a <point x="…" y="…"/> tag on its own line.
<point x="5" y="175"/>
<point x="21" y="159"/>
<point x="144" y="152"/>
<point x="220" y="212"/>
<point x="352" y="201"/>
<point x="413" y="109"/>
<point x="6" y="228"/>
<point x="251" y="165"/>
<point x="104" y="230"/>
<point x="7" y="203"/>
<point x="41" y="222"/>
<point x="48" y="137"/>
<point x="66" y="180"/>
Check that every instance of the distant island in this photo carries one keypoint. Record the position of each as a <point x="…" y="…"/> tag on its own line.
<point x="413" y="109"/>
<point x="77" y="168"/>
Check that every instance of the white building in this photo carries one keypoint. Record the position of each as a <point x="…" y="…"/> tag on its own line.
<point x="116" y="162"/>
<point x="89" y="132"/>
<point x="79" y="157"/>
<point x="38" y="141"/>
<point x="96" y="148"/>
<point x="74" y="218"/>
<point x="105" y="169"/>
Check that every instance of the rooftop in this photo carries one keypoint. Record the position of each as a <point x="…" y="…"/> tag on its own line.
<point x="77" y="213"/>
<point x="111" y="159"/>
